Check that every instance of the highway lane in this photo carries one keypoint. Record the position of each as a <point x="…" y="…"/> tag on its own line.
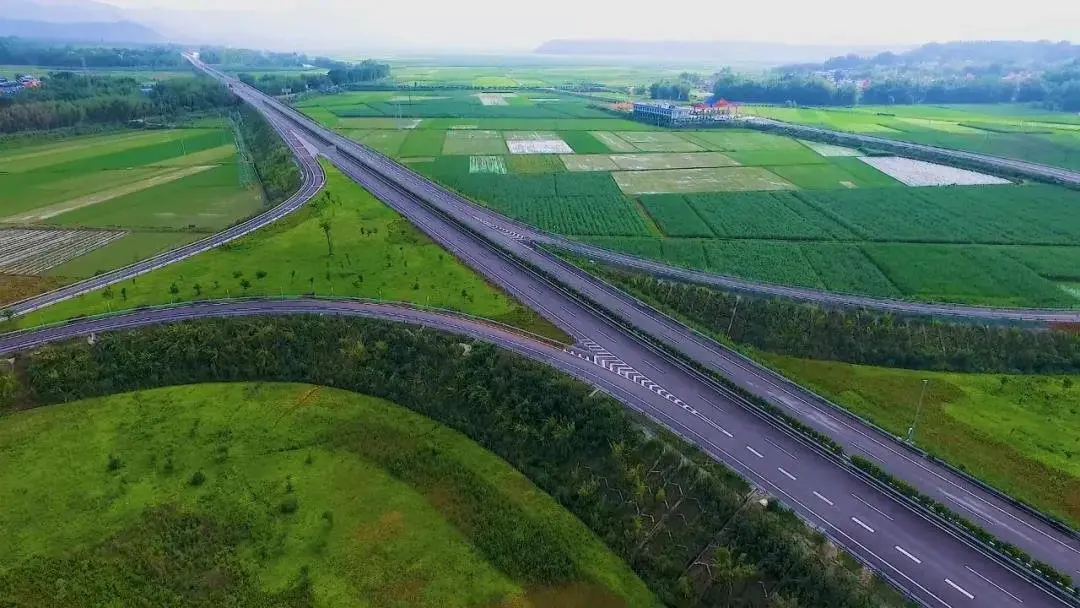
<point x="562" y="314"/>
<point x="999" y="516"/>
<point x="933" y="567"/>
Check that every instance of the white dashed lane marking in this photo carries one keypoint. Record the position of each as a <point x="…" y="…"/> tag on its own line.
<point x="786" y="474"/>
<point x="877" y="510"/>
<point x="823" y="499"/>
<point x="859" y="521"/>
<point x="909" y="555"/>
<point x="755" y="452"/>
<point x="999" y="588"/>
<point x="960" y="589"/>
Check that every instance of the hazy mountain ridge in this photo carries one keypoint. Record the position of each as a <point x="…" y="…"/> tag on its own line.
<point x="111" y="32"/>
<point x="773" y="52"/>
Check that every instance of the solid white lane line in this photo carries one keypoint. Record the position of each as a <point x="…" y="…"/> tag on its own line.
<point x="777" y="446"/>
<point x="999" y="588"/>
<point x="823" y="499"/>
<point x="789" y="475"/>
<point x="960" y="589"/>
<point x="652" y="365"/>
<point x="724" y="431"/>
<point x="755" y="452"/>
<point x="879" y="511"/>
<point x="858" y="521"/>
<point x="912" y="557"/>
<point x="568" y="311"/>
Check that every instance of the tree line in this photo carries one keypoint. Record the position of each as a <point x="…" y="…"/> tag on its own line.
<point x="678" y="91"/>
<point x="273" y="160"/>
<point x="66" y="99"/>
<point x="338" y="75"/>
<point x="20" y="51"/>
<point x="1058" y="89"/>
<point x="858" y="336"/>
<point x="691" y="529"/>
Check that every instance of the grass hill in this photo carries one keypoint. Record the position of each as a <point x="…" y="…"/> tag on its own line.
<point x="280" y="494"/>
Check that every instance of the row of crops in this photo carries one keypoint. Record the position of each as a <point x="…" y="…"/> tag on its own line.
<point x="975" y="274"/>
<point x="1020" y="214"/>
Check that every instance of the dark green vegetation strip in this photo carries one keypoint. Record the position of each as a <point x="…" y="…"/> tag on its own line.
<point x="1004" y="448"/>
<point x="585" y="451"/>
<point x="273" y="160"/>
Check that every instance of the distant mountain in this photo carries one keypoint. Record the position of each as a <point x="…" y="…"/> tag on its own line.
<point x="1003" y="54"/>
<point x="719" y="51"/>
<point x="61" y="11"/>
<point x="110" y="32"/>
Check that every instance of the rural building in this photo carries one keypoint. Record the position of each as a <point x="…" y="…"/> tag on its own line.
<point x="661" y="113"/>
<point x="664" y="113"/>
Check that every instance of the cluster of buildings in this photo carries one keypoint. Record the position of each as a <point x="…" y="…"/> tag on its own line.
<point x="25" y="81"/>
<point x="667" y="113"/>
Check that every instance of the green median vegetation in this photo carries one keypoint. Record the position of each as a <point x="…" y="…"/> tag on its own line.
<point x="692" y="530"/>
<point x="280" y="494"/>
<point x="344" y="243"/>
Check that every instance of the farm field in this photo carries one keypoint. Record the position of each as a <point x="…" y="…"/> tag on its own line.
<point x="120" y="196"/>
<point x="1019" y="433"/>
<point x="10" y="71"/>
<point x="212" y="475"/>
<point x="376" y="254"/>
<point x="1008" y="130"/>
<point x="735" y="201"/>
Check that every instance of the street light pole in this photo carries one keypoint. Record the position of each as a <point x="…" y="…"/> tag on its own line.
<point x="914" y="423"/>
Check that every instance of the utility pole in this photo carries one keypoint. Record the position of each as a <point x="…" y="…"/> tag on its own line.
<point x="918" y="410"/>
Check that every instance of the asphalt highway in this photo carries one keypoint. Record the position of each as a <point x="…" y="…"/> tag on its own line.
<point x="926" y="562"/>
<point x="915" y="553"/>
<point x="606" y="343"/>
<point x="1002" y="518"/>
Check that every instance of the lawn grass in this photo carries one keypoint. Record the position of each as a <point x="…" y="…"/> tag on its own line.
<point x="377" y="254"/>
<point x="1021" y="434"/>
<point x="250" y="489"/>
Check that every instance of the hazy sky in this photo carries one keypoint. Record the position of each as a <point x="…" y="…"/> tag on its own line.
<point x="516" y="24"/>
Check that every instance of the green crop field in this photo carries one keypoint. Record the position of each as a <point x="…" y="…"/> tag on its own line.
<point x="722" y="179"/>
<point x="1019" y="433"/>
<point x="376" y="254"/>
<point x="159" y="188"/>
<point x="746" y="185"/>
<point x="1013" y="131"/>
<point x="278" y="494"/>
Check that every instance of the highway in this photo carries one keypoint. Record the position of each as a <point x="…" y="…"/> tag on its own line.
<point x="915" y="553"/>
<point x="925" y="562"/>
<point x="429" y="207"/>
<point x="1005" y="520"/>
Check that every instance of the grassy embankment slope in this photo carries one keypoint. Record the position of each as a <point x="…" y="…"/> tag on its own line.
<point x="290" y="494"/>
<point x="1021" y="434"/>
<point x="376" y="254"/>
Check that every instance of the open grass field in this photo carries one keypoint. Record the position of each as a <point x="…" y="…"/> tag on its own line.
<point x="857" y="227"/>
<point x="376" y="254"/>
<point x="279" y="494"/>
<point x="156" y="189"/>
<point x="1019" y="433"/>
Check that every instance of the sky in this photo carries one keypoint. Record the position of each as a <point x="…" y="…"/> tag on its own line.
<point x="508" y="25"/>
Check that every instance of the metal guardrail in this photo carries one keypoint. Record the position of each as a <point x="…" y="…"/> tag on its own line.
<point x="292" y="298"/>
